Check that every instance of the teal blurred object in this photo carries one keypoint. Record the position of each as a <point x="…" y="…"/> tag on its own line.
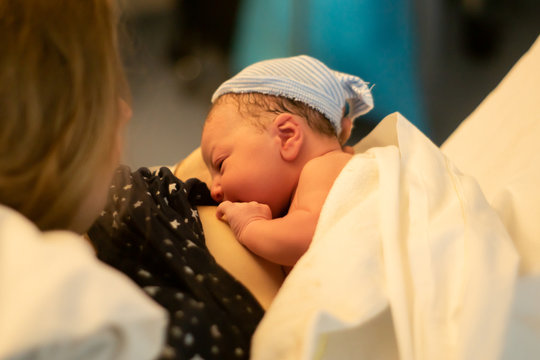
<point x="374" y="39"/>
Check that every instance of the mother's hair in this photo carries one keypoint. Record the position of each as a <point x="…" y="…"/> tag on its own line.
<point x="60" y="84"/>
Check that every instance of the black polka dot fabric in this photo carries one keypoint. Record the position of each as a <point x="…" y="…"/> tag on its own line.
<point x="150" y="230"/>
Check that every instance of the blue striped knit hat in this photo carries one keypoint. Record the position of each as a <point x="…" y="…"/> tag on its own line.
<point x="305" y="79"/>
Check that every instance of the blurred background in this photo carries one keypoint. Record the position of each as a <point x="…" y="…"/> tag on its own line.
<point x="432" y="60"/>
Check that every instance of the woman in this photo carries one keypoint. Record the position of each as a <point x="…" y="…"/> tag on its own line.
<point x="214" y="290"/>
<point x="62" y="115"/>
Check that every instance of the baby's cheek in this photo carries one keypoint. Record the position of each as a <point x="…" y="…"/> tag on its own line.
<point x="231" y="190"/>
<point x="240" y="191"/>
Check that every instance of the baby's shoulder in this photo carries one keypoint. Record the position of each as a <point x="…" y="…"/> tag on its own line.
<point x="319" y="173"/>
<point x="328" y="163"/>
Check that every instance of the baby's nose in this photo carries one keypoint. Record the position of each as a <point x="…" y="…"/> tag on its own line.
<point x="216" y="193"/>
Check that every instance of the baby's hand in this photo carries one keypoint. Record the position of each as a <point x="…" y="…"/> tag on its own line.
<point x="240" y="214"/>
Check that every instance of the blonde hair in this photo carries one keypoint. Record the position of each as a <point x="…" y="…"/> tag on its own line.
<point x="61" y="79"/>
<point x="254" y="103"/>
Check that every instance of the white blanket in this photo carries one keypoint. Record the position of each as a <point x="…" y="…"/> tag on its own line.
<point x="58" y="301"/>
<point x="408" y="261"/>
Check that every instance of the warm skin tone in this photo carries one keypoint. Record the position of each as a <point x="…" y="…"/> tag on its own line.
<point x="271" y="182"/>
<point x="262" y="277"/>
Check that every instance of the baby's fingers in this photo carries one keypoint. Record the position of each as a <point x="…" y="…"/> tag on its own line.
<point x="222" y="208"/>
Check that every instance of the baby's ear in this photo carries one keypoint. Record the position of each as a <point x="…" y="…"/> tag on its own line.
<point x="290" y="134"/>
<point x="346" y="129"/>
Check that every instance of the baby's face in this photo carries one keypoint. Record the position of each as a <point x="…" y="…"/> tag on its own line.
<point x="244" y="161"/>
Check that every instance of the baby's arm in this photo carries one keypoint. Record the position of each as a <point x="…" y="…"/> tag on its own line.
<point x="281" y="240"/>
<point x="284" y="240"/>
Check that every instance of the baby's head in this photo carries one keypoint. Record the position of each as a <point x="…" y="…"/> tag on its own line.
<point x="304" y="80"/>
<point x="258" y="108"/>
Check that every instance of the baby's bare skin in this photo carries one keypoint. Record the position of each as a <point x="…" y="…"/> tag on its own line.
<point x="272" y="180"/>
<point x="284" y="240"/>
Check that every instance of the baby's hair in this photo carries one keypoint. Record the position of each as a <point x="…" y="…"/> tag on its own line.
<point x="252" y="104"/>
